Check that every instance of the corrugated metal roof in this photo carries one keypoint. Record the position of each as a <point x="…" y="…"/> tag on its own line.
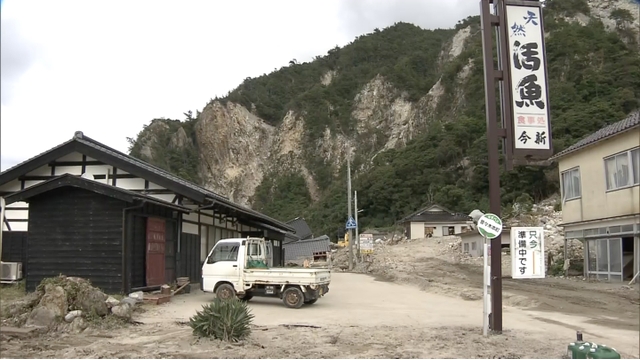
<point x="608" y="131"/>
<point x="303" y="231"/>
<point x="306" y="248"/>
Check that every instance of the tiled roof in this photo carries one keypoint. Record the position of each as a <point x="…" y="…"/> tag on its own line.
<point x="444" y="216"/>
<point x="632" y="121"/>
<point x="305" y="248"/>
<point x="303" y="231"/>
<point x="80" y="138"/>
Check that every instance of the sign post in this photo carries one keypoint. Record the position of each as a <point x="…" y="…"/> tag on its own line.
<point x="351" y="223"/>
<point x="490" y="227"/>
<point x="525" y="129"/>
<point x="527" y="253"/>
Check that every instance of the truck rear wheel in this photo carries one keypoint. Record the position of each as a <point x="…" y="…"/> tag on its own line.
<point x="246" y="297"/>
<point x="293" y="298"/>
<point x="312" y="301"/>
<point x="225" y="292"/>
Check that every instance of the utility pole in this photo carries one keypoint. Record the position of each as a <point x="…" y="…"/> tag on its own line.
<point x="349" y="210"/>
<point x="357" y="237"/>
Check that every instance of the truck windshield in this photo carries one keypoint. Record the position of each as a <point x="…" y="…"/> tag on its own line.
<point x="225" y="252"/>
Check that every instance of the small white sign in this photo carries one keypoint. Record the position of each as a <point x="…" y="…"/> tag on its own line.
<point x="527" y="64"/>
<point x="366" y="243"/>
<point x="527" y="253"/>
<point x="490" y="226"/>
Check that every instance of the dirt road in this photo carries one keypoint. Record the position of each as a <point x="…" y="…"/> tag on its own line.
<point x="361" y="317"/>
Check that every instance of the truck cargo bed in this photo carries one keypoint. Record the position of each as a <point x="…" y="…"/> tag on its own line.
<point x="287" y="276"/>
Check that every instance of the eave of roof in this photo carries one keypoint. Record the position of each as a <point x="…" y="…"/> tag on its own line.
<point x="630" y="122"/>
<point x="95" y="149"/>
<point x="404" y="219"/>
<point x="90" y="185"/>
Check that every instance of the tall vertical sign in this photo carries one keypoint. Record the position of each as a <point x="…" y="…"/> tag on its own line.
<point x="528" y="80"/>
<point x="527" y="253"/>
<point x="525" y="129"/>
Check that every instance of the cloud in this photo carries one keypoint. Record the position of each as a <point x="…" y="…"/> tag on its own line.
<point x="109" y="67"/>
<point x="17" y="55"/>
<point x="362" y="16"/>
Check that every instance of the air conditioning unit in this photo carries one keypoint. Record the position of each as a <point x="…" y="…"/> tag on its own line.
<point x="11" y="271"/>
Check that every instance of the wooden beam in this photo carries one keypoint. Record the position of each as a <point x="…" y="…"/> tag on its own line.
<point x="76" y="163"/>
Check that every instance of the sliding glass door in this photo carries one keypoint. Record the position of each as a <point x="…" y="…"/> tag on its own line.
<point x="604" y="259"/>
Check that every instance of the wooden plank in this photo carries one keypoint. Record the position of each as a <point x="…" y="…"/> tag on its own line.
<point x="18" y="332"/>
<point x="156" y="299"/>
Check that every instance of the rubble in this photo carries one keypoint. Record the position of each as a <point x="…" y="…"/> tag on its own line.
<point x="544" y="215"/>
<point x="66" y="304"/>
<point x="450" y="247"/>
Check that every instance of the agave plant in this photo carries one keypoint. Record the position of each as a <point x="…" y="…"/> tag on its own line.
<point x="228" y="320"/>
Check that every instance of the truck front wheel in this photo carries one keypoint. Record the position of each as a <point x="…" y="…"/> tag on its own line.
<point x="293" y="298"/>
<point x="225" y="292"/>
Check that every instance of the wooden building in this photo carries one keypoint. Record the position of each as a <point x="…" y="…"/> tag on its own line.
<point x="194" y="218"/>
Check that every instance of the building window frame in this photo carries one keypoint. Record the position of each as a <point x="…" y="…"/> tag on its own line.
<point x="632" y="158"/>
<point x="568" y="188"/>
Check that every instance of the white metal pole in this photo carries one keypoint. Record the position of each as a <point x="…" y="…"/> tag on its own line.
<point x="349" y="211"/>
<point x="357" y="237"/>
<point x="485" y="288"/>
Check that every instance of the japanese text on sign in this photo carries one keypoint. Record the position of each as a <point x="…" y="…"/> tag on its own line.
<point x="527" y="252"/>
<point x="528" y="78"/>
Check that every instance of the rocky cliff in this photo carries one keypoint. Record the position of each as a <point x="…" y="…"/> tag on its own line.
<point x="385" y="93"/>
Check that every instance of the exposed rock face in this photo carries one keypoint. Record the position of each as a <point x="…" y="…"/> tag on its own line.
<point x="234" y="145"/>
<point x="602" y="10"/>
<point x="237" y="148"/>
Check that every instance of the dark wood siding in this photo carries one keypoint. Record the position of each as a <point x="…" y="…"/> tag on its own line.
<point x="14" y="248"/>
<point x="190" y="264"/>
<point x="137" y="253"/>
<point x="75" y="232"/>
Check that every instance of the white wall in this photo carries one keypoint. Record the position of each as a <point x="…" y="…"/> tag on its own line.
<point x="418" y="231"/>
<point x="479" y="240"/>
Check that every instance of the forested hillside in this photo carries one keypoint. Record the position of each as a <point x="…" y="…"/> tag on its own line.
<point x="594" y="74"/>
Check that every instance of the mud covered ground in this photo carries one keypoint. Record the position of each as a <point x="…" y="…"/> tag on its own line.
<point x="414" y="300"/>
<point x="439" y="267"/>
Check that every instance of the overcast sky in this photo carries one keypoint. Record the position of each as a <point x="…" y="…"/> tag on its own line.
<point x="109" y="67"/>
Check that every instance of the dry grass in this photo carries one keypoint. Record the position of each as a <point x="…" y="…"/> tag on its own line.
<point x="11" y="292"/>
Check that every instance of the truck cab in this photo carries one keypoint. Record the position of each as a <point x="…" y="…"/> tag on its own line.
<point x="241" y="267"/>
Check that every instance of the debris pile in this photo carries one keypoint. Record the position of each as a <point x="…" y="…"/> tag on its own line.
<point x="544" y="215"/>
<point x="68" y="303"/>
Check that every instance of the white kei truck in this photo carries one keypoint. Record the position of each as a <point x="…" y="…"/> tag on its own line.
<point x="240" y="267"/>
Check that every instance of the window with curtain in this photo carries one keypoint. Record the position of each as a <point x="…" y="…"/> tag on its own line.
<point x="622" y="170"/>
<point x="571" y="184"/>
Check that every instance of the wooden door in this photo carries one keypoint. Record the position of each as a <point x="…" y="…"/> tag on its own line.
<point x="156" y="235"/>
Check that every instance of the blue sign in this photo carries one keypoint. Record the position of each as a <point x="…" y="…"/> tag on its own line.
<point x="351" y="224"/>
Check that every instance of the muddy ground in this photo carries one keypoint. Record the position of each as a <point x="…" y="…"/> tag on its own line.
<point x="439" y="267"/>
<point x="415" y="300"/>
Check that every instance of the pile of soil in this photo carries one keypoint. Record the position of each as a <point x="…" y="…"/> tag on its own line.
<point x="67" y="304"/>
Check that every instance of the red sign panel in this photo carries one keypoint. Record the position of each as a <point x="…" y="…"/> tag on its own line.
<point x="156" y="235"/>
